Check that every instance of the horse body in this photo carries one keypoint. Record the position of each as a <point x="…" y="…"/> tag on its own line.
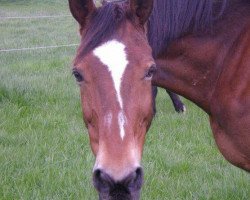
<point x="212" y="69"/>
<point x="230" y="106"/>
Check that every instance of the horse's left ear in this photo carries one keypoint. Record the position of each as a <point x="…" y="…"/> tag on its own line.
<point x="81" y="10"/>
<point x="142" y="9"/>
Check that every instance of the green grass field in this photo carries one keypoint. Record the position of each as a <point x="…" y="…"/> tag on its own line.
<point x="44" y="147"/>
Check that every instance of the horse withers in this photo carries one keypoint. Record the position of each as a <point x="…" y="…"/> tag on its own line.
<point x="114" y="68"/>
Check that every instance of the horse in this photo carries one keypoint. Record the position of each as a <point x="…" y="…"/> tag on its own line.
<point x="198" y="49"/>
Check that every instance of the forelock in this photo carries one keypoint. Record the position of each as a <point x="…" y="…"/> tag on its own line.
<point x="102" y="26"/>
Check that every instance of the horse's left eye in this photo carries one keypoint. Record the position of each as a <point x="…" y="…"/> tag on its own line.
<point x="151" y="71"/>
<point x="77" y="75"/>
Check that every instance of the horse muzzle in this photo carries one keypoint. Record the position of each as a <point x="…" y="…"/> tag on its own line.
<point x="125" y="189"/>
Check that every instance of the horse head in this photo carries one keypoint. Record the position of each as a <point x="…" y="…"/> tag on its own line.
<point x="114" y="69"/>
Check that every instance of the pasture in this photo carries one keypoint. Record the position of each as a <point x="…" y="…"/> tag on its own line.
<point x="44" y="146"/>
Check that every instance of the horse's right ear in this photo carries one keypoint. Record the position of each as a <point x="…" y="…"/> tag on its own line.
<point x="141" y="9"/>
<point x="81" y="10"/>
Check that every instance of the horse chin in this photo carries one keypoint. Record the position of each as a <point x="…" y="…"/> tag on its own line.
<point x="120" y="195"/>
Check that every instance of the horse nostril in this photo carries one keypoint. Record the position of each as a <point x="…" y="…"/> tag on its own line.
<point x="102" y="181"/>
<point x="135" y="180"/>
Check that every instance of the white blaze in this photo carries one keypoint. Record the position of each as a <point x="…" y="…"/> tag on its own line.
<point x="121" y="121"/>
<point x="113" y="55"/>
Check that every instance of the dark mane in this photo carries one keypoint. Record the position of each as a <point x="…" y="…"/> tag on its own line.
<point x="172" y="18"/>
<point x="102" y="25"/>
<point x="169" y="20"/>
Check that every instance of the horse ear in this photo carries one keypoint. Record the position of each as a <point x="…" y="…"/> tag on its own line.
<point x="81" y="10"/>
<point x="142" y="9"/>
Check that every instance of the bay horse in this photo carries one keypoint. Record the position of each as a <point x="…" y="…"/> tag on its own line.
<point x="199" y="49"/>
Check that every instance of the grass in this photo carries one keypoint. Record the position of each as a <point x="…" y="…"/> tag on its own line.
<point x="44" y="147"/>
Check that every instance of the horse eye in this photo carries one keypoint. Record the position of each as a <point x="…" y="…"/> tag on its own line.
<point x="77" y="75"/>
<point x="151" y="71"/>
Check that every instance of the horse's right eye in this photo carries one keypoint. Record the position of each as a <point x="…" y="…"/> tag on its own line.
<point x="77" y="75"/>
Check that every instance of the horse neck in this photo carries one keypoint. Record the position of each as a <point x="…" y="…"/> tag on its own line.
<point x="191" y="67"/>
